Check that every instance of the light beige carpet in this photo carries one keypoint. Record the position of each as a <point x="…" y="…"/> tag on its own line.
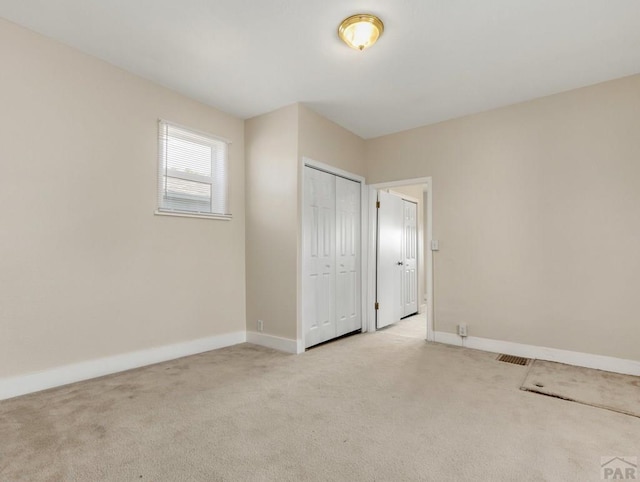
<point x="370" y="407"/>
<point x="612" y="391"/>
<point x="413" y="327"/>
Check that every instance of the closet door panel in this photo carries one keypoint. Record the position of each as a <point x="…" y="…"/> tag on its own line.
<point x="319" y="275"/>
<point x="348" y="316"/>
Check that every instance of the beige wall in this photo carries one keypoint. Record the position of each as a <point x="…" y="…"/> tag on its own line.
<point x="324" y="141"/>
<point x="276" y="144"/>
<point x="87" y="270"/>
<point x="536" y="207"/>
<point x="272" y="151"/>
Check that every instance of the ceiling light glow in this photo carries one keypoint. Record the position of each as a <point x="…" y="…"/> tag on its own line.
<point x="361" y="31"/>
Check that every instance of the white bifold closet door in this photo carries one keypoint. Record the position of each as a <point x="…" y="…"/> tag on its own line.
<point x="318" y="285"/>
<point x="348" y="317"/>
<point x="331" y="257"/>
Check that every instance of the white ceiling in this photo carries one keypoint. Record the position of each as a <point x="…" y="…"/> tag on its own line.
<point x="438" y="59"/>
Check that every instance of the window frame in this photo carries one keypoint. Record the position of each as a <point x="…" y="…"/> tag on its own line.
<point x="215" y="182"/>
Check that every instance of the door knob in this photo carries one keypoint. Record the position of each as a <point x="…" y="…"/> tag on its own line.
<point x="400" y="263"/>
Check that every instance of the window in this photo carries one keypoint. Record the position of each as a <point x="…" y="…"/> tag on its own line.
<point x="193" y="173"/>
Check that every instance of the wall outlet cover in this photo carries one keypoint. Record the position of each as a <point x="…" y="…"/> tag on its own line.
<point x="462" y="329"/>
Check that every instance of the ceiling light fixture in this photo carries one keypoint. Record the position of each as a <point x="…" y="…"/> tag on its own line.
<point x="361" y="31"/>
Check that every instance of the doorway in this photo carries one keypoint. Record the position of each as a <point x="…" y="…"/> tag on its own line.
<point x="393" y="263"/>
<point x="398" y="265"/>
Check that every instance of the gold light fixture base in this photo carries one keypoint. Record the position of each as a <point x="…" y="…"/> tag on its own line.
<point x="361" y="31"/>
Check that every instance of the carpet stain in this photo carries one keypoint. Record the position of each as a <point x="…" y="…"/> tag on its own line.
<point x="100" y="431"/>
<point x="596" y="388"/>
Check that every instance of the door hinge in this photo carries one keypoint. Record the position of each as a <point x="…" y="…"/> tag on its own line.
<point x="377" y="306"/>
<point x="378" y="204"/>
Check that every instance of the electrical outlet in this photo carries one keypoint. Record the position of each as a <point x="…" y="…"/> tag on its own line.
<point x="462" y="329"/>
<point x="260" y="326"/>
<point x="435" y="245"/>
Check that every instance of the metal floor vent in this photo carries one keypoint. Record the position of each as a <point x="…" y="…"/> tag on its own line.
<point x="515" y="360"/>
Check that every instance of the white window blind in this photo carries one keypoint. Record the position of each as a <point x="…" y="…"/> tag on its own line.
<point x="193" y="172"/>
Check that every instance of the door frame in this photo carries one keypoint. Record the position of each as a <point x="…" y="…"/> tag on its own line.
<point x="427" y="183"/>
<point x="364" y="193"/>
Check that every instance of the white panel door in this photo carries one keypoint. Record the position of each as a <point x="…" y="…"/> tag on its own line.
<point x="319" y="238"/>
<point x="348" y="316"/>
<point x="410" y="258"/>
<point x="389" y="273"/>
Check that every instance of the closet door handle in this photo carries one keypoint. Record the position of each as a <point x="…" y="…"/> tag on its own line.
<point x="400" y="263"/>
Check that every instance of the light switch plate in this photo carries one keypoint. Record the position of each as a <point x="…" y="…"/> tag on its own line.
<point x="434" y="245"/>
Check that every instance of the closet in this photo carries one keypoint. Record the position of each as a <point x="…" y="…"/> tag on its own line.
<point x="330" y="256"/>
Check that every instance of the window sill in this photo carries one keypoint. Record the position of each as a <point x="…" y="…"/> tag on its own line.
<point x="219" y="217"/>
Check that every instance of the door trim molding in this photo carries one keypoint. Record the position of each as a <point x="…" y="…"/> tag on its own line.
<point x="321" y="166"/>
<point x="308" y="162"/>
<point x="411" y="199"/>
<point x="427" y="183"/>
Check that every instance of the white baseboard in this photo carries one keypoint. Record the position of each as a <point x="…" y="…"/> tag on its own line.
<point x="447" y="338"/>
<point x="286" y="345"/>
<point x="587" y="360"/>
<point x="63" y="375"/>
